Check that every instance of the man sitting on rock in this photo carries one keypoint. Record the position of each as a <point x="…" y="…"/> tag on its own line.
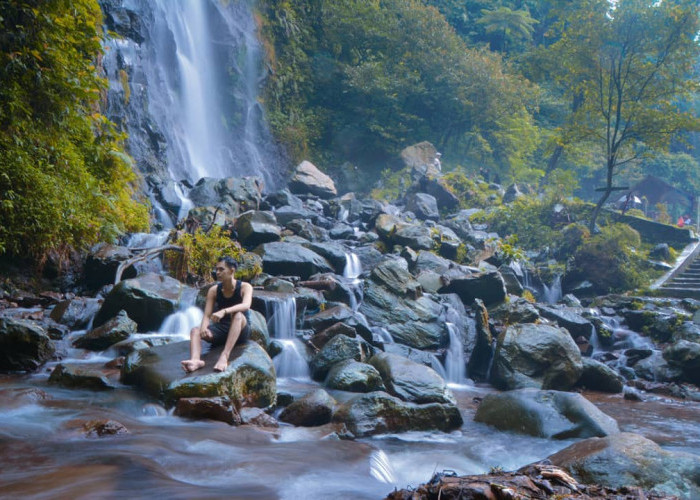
<point x="226" y="317"/>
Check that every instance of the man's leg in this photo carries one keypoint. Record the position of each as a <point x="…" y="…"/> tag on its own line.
<point x="238" y="323"/>
<point x="195" y="362"/>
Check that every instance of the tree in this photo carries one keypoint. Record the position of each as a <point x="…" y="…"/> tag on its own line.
<point x="630" y="64"/>
<point x="508" y="25"/>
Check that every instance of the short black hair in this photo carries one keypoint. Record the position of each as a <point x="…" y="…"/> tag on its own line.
<point x="229" y="261"/>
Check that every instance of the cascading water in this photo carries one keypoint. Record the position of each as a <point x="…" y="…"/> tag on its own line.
<point x="552" y="293"/>
<point x="185" y="82"/>
<point x="282" y="326"/>
<point x="455" y="365"/>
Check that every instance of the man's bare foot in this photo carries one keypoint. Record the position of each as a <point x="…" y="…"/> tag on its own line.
<point x="190" y="365"/>
<point x="221" y="365"/>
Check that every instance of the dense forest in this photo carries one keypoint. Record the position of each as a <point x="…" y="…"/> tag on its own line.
<point x="562" y="96"/>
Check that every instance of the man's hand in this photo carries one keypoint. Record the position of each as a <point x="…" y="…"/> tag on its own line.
<point x="218" y="316"/>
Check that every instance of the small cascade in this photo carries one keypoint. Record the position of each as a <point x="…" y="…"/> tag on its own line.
<point x="282" y="326"/>
<point x="380" y="468"/>
<point x="143" y="241"/>
<point x="552" y="294"/>
<point x="455" y="365"/>
<point x="381" y="334"/>
<point x="353" y="267"/>
<point x="180" y="323"/>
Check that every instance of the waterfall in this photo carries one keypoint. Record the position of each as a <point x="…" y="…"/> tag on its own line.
<point x="282" y="326"/>
<point x="185" y="82"/>
<point x="455" y="365"/>
<point x="552" y="293"/>
<point x="353" y="267"/>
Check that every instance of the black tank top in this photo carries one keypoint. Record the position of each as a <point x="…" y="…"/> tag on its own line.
<point x="223" y="302"/>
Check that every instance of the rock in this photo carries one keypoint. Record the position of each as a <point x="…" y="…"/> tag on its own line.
<point x="306" y="229"/>
<point x="341" y="231"/>
<point x="102" y="263"/>
<point x="313" y="409"/>
<point x="393" y="275"/>
<point x="510" y="278"/>
<point x="423" y="205"/>
<point x="386" y="225"/>
<point x="114" y="330"/>
<point x="379" y="413"/>
<point x="413" y="235"/>
<point x="257" y="227"/>
<point x="147" y="299"/>
<point x="415" y="323"/>
<point x="82" y="376"/>
<point x="429" y="281"/>
<point x="576" y="324"/>
<point x="439" y="189"/>
<point x="425" y="358"/>
<point x="258" y="418"/>
<point x="599" y="377"/>
<point x="291" y="259"/>
<point x="482" y="354"/>
<point x="332" y="252"/>
<point x="656" y="368"/>
<point x="309" y="179"/>
<point x="282" y="198"/>
<point x="428" y="261"/>
<point x="411" y="381"/>
<point x="258" y="329"/>
<point x="249" y="379"/>
<point x="661" y="251"/>
<point x="539" y="356"/>
<point x="321" y="338"/>
<point x="75" y="313"/>
<point x="338" y="314"/>
<point x="460" y="223"/>
<point x="104" y="427"/>
<point x="516" y="310"/>
<point x="352" y="376"/>
<point x="24" y="345"/>
<point x="627" y="459"/>
<point x="234" y="194"/>
<point x="489" y="287"/>
<point x="547" y="414"/>
<point x="418" y="155"/>
<point x="338" y="349"/>
<point x="217" y="408"/>
<point x="686" y="356"/>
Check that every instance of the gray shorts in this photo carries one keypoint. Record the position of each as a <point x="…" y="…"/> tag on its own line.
<point x="219" y="332"/>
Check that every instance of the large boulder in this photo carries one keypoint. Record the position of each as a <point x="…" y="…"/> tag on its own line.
<point x="314" y="408"/>
<point x="686" y="356"/>
<point x="627" y="459"/>
<point x="393" y="275"/>
<point x="577" y="325"/>
<point x="380" y="413"/>
<point x="218" y="408"/>
<point x="291" y="259"/>
<point x="480" y="360"/>
<point x="147" y="299"/>
<point x="547" y="414"/>
<point x="415" y="236"/>
<point x="84" y="376"/>
<point x="423" y="205"/>
<point x="309" y="179"/>
<point x="75" y="313"/>
<point x="249" y="379"/>
<point x="114" y="330"/>
<point x="489" y="287"/>
<point x="411" y="381"/>
<point x="234" y="194"/>
<point x="597" y="376"/>
<point x="353" y="376"/>
<point x="539" y="356"/>
<point x="338" y="349"/>
<point x="415" y="323"/>
<point x="24" y="345"/>
<point x="102" y="262"/>
<point x="256" y="227"/>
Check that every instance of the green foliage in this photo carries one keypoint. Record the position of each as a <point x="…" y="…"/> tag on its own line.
<point x="507" y="250"/>
<point x="359" y="80"/>
<point x="612" y="260"/>
<point x="65" y="181"/>
<point x="527" y="295"/>
<point x="471" y="193"/>
<point x="201" y="251"/>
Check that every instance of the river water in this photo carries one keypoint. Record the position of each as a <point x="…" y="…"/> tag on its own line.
<point x="46" y="454"/>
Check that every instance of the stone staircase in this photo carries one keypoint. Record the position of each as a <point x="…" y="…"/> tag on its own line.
<point x="684" y="280"/>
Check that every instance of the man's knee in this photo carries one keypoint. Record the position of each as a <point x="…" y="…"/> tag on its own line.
<point x="194" y="332"/>
<point x="240" y="320"/>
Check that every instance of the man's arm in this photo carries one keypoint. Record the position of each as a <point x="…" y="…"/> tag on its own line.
<point x="209" y="307"/>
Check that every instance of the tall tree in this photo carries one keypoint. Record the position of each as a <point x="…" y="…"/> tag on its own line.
<point x="630" y="63"/>
<point x="507" y="25"/>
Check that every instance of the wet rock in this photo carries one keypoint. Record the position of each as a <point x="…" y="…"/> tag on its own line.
<point x="147" y="299"/>
<point x="460" y="223"/>
<point x="258" y="329"/>
<point x="332" y="252"/>
<point x="114" y="330"/>
<point x="576" y="324"/>
<point x="539" y="356"/>
<point x="386" y="225"/>
<point x="379" y="413"/>
<point x="393" y="275"/>
<point x="291" y="259"/>
<point x="510" y="278"/>
<point x="489" y="287"/>
<point x="428" y="261"/>
<point x="686" y="356"/>
<point x="309" y="179"/>
<point x="258" y="418"/>
<point x="338" y="314"/>
<point x="307" y="230"/>
<point x="249" y="379"/>
<point x="482" y="354"/>
<point x="313" y="409"/>
<point x="102" y="263"/>
<point x="82" y="376"/>
<point x="415" y="323"/>
<point x="352" y="376"/>
<point x="218" y="408"/>
<point x="597" y="376"/>
<point x="104" y="427"/>
<point x="423" y="205"/>
<point x="413" y="235"/>
<point x="548" y="414"/>
<point x="234" y="194"/>
<point x="256" y="227"/>
<point x="425" y="358"/>
<point x="24" y="345"/>
<point x="655" y="368"/>
<point x="341" y="231"/>
<point x="338" y="349"/>
<point x="75" y="313"/>
<point x="287" y="214"/>
<point x="429" y="281"/>
<point x="411" y="381"/>
<point x="627" y="459"/>
<point x="282" y="198"/>
<point x="321" y="338"/>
